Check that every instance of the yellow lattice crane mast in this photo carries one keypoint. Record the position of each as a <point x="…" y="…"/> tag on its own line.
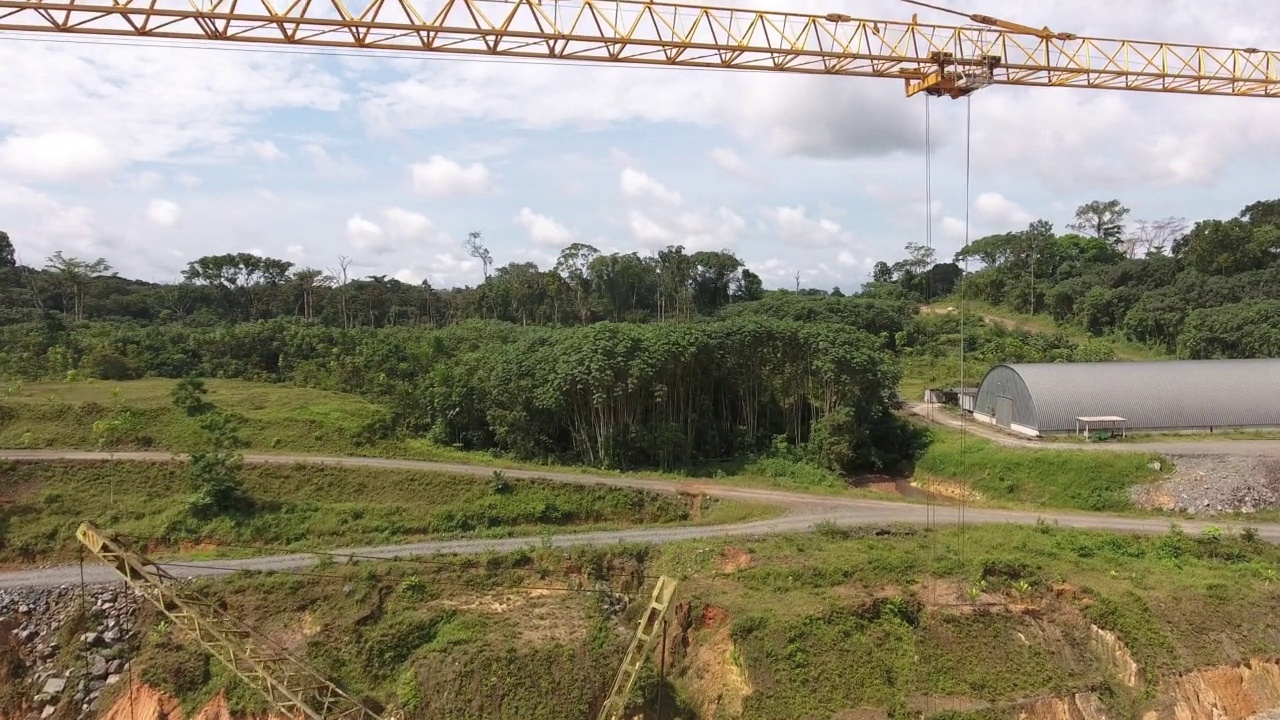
<point x="935" y="59"/>
<point x="292" y="687"/>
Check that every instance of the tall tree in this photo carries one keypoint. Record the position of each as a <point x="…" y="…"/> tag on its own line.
<point x="247" y="284"/>
<point x="712" y="280"/>
<point x="1153" y="237"/>
<point x="881" y="272"/>
<point x="476" y="249"/>
<point x="1101" y="219"/>
<point x="73" y="276"/>
<point x="1218" y="247"/>
<point x="306" y="282"/>
<point x="341" y="280"/>
<point x="7" y="256"/>
<point x="748" y="286"/>
<point x="573" y="264"/>
<point x="1263" y="212"/>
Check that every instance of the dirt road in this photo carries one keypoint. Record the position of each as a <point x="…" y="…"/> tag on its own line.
<point x="803" y="513"/>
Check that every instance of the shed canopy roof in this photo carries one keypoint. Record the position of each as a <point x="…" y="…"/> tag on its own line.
<point x="1156" y="394"/>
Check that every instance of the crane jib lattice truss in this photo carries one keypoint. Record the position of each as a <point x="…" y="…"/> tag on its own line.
<point x="938" y="59"/>
<point x="293" y="688"/>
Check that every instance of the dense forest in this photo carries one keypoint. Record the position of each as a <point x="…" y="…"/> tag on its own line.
<point x="662" y="361"/>
<point x="1210" y="290"/>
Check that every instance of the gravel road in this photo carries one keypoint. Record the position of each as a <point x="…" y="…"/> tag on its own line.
<point x="803" y="512"/>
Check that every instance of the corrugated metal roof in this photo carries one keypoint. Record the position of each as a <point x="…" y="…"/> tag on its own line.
<point x="1158" y="394"/>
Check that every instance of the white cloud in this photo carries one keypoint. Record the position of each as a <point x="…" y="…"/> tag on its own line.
<point x="209" y="98"/>
<point x="795" y="227"/>
<point x="996" y="210"/>
<point x="442" y="177"/>
<point x="50" y="225"/>
<point x="731" y="163"/>
<point x="329" y="166"/>
<point x="267" y="196"/>
<point x="296" y="250"/>
<point x="955" y="229"/>
<point x="366" y="236"/>
<point x="716" y="230"/>
<point x="544" y="230"/>
<point x="405" y="230"/>
<point x="848" y="259"/>
<point x="992" y="213"/>
<point x="444" y="269"/>
<point x="413" y="227"/>
<point x="791" y="114"/>
<point x="694" y="229"/>
<point x="646" y="230"/>
<point x="266" y="150"/>
<point x="56" y="156"/>
<point x="164" y="213"/>
<point x="636" y="184"/>
<point x="189" y="180"/>
<point x="148" y="180"/>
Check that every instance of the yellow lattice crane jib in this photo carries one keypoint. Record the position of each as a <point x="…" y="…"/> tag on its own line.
<point x="933" y="58"/>
<point x="641" y="644"/>
<point x="291" y="686"/>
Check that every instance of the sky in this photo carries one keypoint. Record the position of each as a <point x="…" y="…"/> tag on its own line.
<point x="153" y="156"/>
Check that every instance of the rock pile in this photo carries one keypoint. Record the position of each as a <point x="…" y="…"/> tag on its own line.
<point x="72" y="670"/>
<point x="1213" y="485"/>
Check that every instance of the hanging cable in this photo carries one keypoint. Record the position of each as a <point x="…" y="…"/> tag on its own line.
<point x="928" y="206"/>
<point x="930" y="510"/>
<point x="964" y="426"/>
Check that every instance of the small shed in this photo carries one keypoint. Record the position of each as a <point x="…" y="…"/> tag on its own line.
<point x="1111" y="423"/>
<point x="962" y="397"/>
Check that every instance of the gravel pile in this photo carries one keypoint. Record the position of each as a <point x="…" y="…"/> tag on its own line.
<point x="77" y="673"/>
<point x="1214" y="484"/>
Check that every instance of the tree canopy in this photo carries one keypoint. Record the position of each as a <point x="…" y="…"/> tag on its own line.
<point x="1154" y="282"/>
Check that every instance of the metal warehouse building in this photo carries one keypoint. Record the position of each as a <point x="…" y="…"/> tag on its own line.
<point x="1173" y="395"/>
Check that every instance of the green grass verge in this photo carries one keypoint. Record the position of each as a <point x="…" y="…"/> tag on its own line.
<point x="1066" y="479"/>
<point x="310" y="507"/>
<point x="814" y="625"/>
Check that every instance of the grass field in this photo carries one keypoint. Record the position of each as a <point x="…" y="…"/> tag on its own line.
<point x="1046" y="478"/>
<point x="308" y="506"/>
<point x="815" y="625"/>
<point x="275" y="416"/>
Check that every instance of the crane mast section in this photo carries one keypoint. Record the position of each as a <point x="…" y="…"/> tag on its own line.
<point x="671" y="34"/>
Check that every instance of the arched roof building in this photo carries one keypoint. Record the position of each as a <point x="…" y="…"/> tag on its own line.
<point x="1168" y="395"/>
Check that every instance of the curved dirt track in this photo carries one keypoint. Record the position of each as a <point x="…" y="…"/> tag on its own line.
<point x="803" y="513"/>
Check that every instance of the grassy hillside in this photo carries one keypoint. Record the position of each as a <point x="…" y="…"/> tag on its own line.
<point x="61" y="414"/>
<point x="307" y="506"/>
<point x="812" y="626"/>
<point x="1036" y="477"/>
<point x="1040" y="323"/>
